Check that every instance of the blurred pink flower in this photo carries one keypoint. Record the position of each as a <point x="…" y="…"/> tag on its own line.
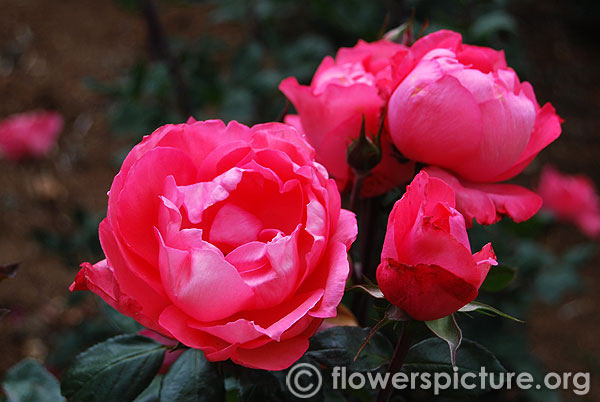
<point x="572" y="199"/>
<point x="30" y="134"/>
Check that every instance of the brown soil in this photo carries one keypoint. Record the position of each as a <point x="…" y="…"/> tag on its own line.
<point x="60" y="45"/>
<point x="70" y="40"/>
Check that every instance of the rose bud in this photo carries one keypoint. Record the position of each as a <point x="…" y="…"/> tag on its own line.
<point x="363" y="154"/>
<point x="427" y="268"/>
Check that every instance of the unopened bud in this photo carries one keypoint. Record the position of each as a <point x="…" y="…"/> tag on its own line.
<point x="363" y="154"/>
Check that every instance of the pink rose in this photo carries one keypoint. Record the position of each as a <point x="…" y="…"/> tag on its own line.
<point x="572" y="199"/>
<point x="31" y="134"/>
<point x="427" y="268"/>
<point x="462" y="109"/>
<point x="228" y="239"/>
<point x="357" y="83"/>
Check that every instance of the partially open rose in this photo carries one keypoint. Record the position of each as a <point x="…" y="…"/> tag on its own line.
<point x="464" y="110"/>
<point x="228" y="239"/>
<point x="427" y="268"/>
<point x="461" y="108"/>
<point x="356" y="84"/>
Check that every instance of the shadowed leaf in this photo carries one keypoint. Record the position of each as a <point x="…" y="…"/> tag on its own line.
<point x="447" y="329"/>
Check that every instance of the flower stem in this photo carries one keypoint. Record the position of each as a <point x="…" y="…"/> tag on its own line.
<point x="356" y="187"/>
<point x="354" y="198"/>
<point x="400" y="353"/>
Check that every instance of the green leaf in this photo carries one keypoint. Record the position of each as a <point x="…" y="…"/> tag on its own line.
<point x="283" y="394"/>
<point x="492" y="23"/>
<point x="121" y="322"/>
<point x="579" y="254"/>
<point x="431" y="356"/>
<point x="337" y="346"/>
<point x="192" y="378"/>
<point x="372" y="290"/>
<point x="118" y="369"/>
<point x="485" y="309"/>
<point x="498" y="278"/>
<point x="29" y="381"/>
<point x="257" y="385"/>
<point x="395" y="34"/>
<point x="448" y="330"/>
<point x="152" y="392"/>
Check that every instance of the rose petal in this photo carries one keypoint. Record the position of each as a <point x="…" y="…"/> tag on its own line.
<point x="273" y="356"/>
<point x="135" y="278"/>
<point x="455" y="133"/>
<point x="547" y="129"/>
<point x="175" y="320"/>
<point x="138" y="201"/>
<point x="440" y="39"/>
<point x="483" y="58"/>
<point x="331" y="276"/>
<point x="487" y="203"/>
<point x="275" y="281"/>
<point x="408" y="287"/>
<point x="201" y="282"/>
<point x="272" y="323"/>
<point x="507" y="124"/>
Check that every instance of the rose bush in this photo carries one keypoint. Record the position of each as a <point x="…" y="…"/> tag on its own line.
<point x="356" y="83"/>
<point x="572" y="199"/>
<point x="427" y="268"/>
<point x="31" y="134"/>
<point x="228" y="239"/>
<point x="461" y="108"/>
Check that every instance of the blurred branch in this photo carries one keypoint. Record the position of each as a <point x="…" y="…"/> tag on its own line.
<point x="159" y="47"/>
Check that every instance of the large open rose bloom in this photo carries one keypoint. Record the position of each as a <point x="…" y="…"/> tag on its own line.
<point x="462" y="109"/>
<point x="427" y="268"/>
<point x="356" y="83"/>
<point x="572" y="198"/>
<point x="228" y="239"/>
<point x="31" y="134"/>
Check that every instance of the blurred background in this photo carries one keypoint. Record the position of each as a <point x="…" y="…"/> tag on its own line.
<point x="116" y="70"/>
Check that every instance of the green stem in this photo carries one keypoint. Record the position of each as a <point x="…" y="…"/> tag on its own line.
<point x="354" y="198"/>
<point x="359" y="178"/>
<point x="400" y="353"/>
